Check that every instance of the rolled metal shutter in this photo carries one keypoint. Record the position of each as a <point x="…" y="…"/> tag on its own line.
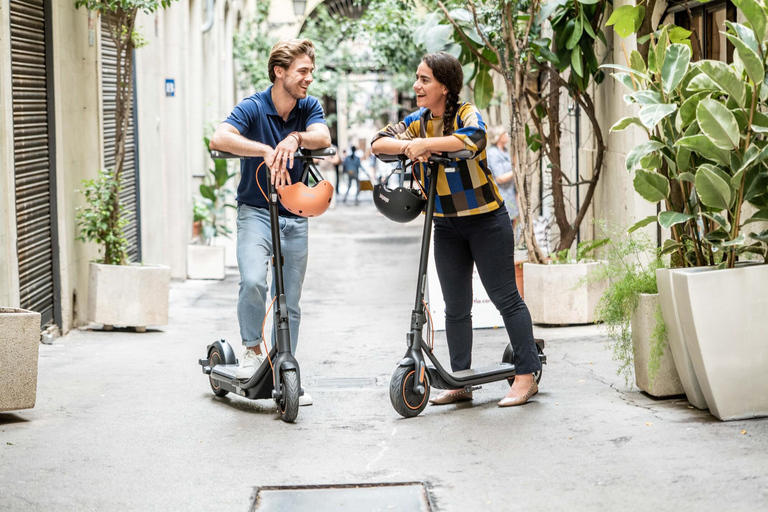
<point x="129" y="196"/>
<point x="34" y="165"/>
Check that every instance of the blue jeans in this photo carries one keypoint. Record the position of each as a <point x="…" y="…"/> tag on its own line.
<point x="254" y="256"/>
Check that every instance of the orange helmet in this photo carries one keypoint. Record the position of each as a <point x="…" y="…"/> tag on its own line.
<point x="300" y="199"/>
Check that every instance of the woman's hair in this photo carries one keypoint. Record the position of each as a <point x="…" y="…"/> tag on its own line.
<point x="447" y="70"/>
<point x="495" y="133"/>
<point x="286" y="51"/>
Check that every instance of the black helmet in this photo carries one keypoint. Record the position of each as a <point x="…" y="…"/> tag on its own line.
<point x="400" y="205"/>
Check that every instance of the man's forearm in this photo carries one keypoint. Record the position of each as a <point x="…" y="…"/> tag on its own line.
<point x="315" y="140"/>
<point x="237" y="144"/>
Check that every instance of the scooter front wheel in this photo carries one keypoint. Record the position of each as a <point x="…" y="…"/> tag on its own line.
<point x="289" y="403"/>
<point x="214" y="358"/>
<point x="406" y="402"/>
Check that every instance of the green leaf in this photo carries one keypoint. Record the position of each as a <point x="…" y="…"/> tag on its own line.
<point x="469" y="71"/>
<point x="752" y="63"/>
<point x="746" y="34"/>
<point x="576" y="63"/>
<point x="639" y="151"/>
<point x="739" y="240"/>
<point x="661" y="48"/>
<point x="651" y="186"/>
<point x="669" y="219"/>
<point x="207" y="192"/>
<point x="578" y="29"/>
<point x="763" y="237"/>
<point x="483" y="88"/>
<point x="703" y="146"/>
<point x="702" y="83"/>
<point x="755" y="15"/>
<point x="641" y="224"/>
<point x="713" y="190"/>
<point x="688" y="108"/>
<point x="625" y="79"/>
<point x="670" y="246"/>
<point x="725" y="78"/>
<point x="437" y="38"/>
<point x="675" y="66"/>
<point x="626" y="122"/>
<point x="634" y="72"/>
<point x="648" y="97"/>
<point x="651" y="115"/>
<point x="718" y="123"/>
<point x="719" y="219"/>
<point x="636" y="61"/>
<point x="760" y="122"/>
<point x="679" y="35"/>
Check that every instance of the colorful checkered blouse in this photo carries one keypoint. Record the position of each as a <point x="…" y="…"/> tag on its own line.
<point x="471" y="190"/>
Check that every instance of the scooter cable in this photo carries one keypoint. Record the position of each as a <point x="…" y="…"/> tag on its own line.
<point x="259" y="184"/>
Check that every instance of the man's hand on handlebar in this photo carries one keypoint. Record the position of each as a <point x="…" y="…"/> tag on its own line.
<point x="280" y="159"/>
<point x="417" y="151"/>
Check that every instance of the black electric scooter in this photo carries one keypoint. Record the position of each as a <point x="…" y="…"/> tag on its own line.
<point x="410" y="385"/>
<point x="279" y="376"/>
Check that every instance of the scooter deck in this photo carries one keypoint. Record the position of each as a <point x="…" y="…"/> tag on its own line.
<point x="224" y="374"/>
<point x="498" y="368"/>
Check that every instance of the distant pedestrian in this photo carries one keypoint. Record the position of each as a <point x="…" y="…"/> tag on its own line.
<point x="501" y="166"/>
<point x="352" y="166"/>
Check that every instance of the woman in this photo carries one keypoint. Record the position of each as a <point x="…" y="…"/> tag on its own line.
<point x="501" y="167"/>
<point x="471" y="223"/>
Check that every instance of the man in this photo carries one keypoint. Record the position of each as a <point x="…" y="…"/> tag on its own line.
<point x="270" y="126"/>
<point x="352" y="166"/>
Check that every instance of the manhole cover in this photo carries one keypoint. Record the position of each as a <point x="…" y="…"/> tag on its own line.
<point x="346" y="382"/>
<point x="397" y="497"/>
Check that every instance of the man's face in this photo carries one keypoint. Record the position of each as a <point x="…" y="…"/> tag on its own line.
<point x="296" y="79"/>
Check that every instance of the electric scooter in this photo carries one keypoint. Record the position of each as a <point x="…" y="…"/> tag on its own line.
<point x="279" y="376"/>
<point x="412" y="379"/>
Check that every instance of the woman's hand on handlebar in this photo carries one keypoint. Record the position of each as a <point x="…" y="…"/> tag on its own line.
<point x="417" y="150"/>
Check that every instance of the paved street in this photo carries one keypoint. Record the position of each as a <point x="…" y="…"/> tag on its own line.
<point x="126" y="421"/>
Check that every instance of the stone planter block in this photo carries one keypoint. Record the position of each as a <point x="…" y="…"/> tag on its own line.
<point x="667" y="382"/>
<point x="556" y="295"/>
<point x="724" y="319"/>
<point x="19" y="344"/>
<point x="128" y="295"/>
<point x="677" y="344"/>
<point x="205" y="262"/>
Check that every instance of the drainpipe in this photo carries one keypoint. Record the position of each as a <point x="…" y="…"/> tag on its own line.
<point x="208" y="16"/>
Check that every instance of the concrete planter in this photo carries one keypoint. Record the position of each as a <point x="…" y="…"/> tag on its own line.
<point x="724" y="318"/>
<point x="556" y="294"/>
<point x="205" y="262"/>
<point x="666" y="382"/>
<point x="677" y="344"/>
<point x="19" y="344"/>
<point x="129" y="295"/>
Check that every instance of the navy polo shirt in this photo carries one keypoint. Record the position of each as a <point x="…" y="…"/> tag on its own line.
<point x="256" y="119"/>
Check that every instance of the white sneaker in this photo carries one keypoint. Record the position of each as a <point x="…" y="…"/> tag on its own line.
<point x="249" y="364"/>
<point x="305" y="399"/>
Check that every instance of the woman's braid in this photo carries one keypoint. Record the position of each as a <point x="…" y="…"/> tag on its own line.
<point x="451" y="107"/>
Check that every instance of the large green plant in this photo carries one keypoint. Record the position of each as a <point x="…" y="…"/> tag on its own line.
<point x="121" y="19"/>
<point x="215" y="195"/>
<point x="94" y="221"/>
<point x="508" y="36"/>
<point x="706" y="152"/>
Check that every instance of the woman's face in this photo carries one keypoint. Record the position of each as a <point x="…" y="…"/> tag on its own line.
<point x="430" y="93"/>
<point x="503" y="139"/>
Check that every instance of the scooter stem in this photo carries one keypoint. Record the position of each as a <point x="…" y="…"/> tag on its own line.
<point x="281" y="311"/>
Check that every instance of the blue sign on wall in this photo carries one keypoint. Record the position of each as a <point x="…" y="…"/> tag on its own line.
<point x="170" y="87"/>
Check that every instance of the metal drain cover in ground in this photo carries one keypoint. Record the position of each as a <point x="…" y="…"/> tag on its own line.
<point x="389" y="497"/>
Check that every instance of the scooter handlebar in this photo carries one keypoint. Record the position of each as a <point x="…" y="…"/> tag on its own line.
<point x="442" y="158"/>
<point x="301" y="154"/>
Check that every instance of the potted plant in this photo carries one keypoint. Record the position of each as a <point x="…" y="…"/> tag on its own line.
<point x="705" y="162"/>
<point x="572" y="292"/>
<point x="119" y="293"/>
<point x="631" y="315"/>
<point x="19" y="344"/>
<point x="206" y="260"/>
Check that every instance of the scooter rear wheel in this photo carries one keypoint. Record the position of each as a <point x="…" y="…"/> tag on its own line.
<point x="289" y="404"/>
<point x="509" y="357"/>
<point x="214" y="358"/>
<point x="407" y="403"/>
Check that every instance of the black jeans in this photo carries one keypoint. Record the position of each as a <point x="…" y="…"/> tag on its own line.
<point x="485" y="240"/>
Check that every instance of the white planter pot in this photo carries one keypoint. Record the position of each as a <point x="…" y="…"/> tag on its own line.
<point x="205" y="262"/>
<point x="556" y="294"/>
<point x="724" y="319"/>
<point x="19" y="344"/>
<point x="677" y="345"/>
<point x="666" y="382"/>
<point x="128" y="295"/>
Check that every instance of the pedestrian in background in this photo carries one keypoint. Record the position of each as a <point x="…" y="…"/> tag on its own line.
<point x="352" y="166"/>
<point x="500" y="164"/>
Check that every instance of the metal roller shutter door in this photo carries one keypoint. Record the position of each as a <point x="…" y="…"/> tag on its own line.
<point x="129" y="196"/>
<point x="33" y="159"/>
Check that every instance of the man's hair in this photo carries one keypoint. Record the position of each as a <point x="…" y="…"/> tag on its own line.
<point x="286" y="51"/>
<point x="353" y="148"/>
